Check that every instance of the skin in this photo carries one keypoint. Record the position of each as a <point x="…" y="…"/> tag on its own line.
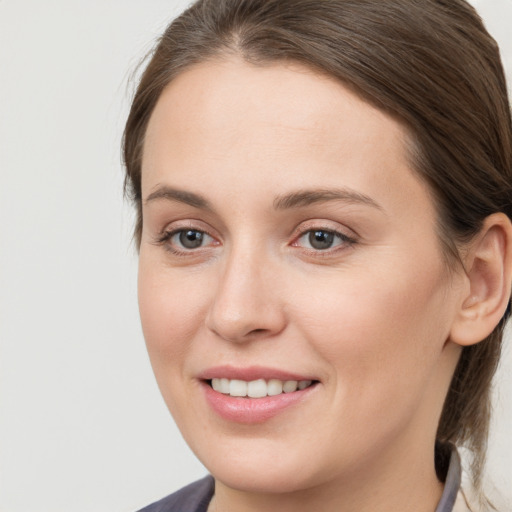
<point x="370" y="319"/>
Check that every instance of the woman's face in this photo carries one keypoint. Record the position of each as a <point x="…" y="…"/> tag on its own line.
<point x="286" y="238"/>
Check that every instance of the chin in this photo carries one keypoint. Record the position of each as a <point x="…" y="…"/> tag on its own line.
<point x="264" y="466"/>
<point x="263" y="480"/>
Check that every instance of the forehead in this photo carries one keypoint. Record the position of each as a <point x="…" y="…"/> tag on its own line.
<point x="252" y="126"/>
<point x="232" y="100"/>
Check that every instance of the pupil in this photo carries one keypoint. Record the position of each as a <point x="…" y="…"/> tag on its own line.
<point x="191" y="239"/>
<point x="321" y="239"/>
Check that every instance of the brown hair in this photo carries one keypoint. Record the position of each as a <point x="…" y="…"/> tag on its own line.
<point x="429" y="63"/>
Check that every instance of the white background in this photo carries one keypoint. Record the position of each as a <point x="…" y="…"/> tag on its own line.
<point x="82" y="425"/>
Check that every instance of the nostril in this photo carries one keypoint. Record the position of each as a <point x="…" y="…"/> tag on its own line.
<point x="258" y="331"/>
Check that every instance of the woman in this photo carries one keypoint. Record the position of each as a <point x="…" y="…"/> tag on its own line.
<point x="324" y="200"/>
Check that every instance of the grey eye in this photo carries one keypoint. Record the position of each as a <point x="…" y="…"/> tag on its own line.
<point x="190" y="238"/>
<point x="321" y="239"/>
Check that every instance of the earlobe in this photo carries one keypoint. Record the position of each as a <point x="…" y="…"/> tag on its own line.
<point x="488" y="276"/>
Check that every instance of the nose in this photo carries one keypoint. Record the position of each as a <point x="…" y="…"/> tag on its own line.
<point x="247" y="303"/>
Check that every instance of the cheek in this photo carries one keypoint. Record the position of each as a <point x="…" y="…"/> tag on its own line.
<point x="171" y="307"/>
<point x="169" y="311"/>
<point x="382" y="333"/>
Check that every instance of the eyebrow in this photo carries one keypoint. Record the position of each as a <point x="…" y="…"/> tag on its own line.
<point x="302" y="198"/>
<point x="297" y="199"/>
<point x="180" y="196"/>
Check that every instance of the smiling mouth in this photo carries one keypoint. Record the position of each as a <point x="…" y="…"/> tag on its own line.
<point x="259" y="388"/>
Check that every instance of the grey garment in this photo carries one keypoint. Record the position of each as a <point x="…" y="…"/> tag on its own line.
<point x="197" y="496"/>
<point x="451" y="485"/>
<point x="194" y="497"/>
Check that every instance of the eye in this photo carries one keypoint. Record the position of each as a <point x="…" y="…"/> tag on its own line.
<point x="322" y="239"/>
<point x="189" y="239"/>
<point x="186" y="241"/>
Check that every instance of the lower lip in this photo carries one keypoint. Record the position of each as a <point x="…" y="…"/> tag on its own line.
<point x="253" y="410"/>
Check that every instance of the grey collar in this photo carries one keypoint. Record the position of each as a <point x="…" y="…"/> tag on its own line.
<point x="452" y="484"/>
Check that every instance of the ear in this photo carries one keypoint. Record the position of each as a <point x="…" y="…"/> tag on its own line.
<point x="488" y="281"/>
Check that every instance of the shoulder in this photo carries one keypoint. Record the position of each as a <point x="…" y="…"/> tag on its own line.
<point x="194" y="497"/>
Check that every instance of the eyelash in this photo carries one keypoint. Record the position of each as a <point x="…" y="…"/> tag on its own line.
<point x="345" y="240"/>
<point x="165" y="238"/>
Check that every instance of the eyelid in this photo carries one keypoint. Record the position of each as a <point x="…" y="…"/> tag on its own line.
<point x="193" y="224"/>
<point x="324" y="225"/>
<point x="347" y="239"/>
<point x="171" y="229"/>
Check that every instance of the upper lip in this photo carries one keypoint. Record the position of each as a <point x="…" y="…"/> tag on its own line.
<point x="251" y="373"/>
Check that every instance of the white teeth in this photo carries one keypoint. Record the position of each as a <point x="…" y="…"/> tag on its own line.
<point x="224" y="386"/>
<point x="290" y="386"/>
<point x="274" y="387"/>
<point x="238" y="388"/>
<point x="221" y="385"/>
<point x="258" y="388"/>
<point x="303" y="384"/>
<point x="216" y="385"/>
